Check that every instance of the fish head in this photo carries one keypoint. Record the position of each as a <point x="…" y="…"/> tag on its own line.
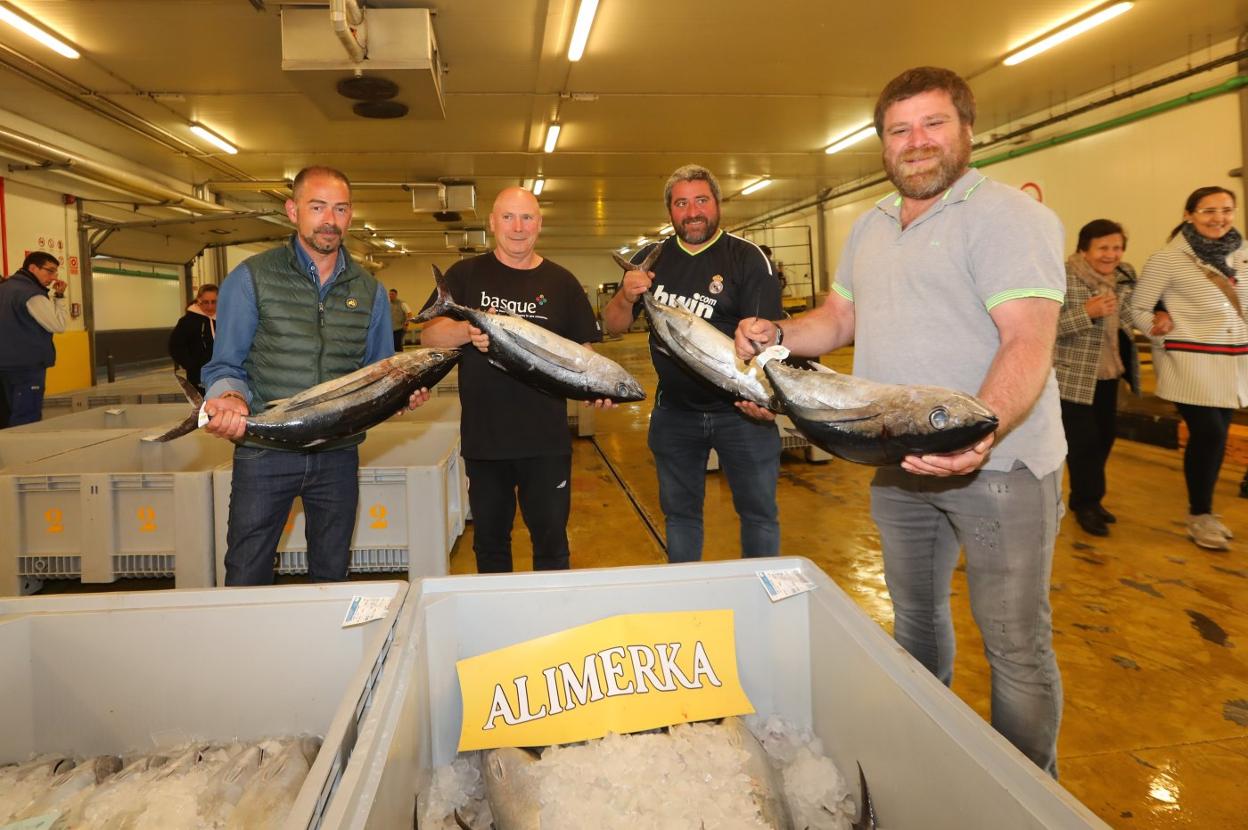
<point x="628" y="389"/>
<point x="944" y="420"/>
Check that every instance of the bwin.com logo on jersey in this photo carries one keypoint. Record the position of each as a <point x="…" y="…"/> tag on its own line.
<point x="541" y="299"/>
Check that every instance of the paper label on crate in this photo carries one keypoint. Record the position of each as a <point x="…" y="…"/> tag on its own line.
<point x="37" y="823"/>
<point x="365" y="609"/>
<point x="786" y="583"/>
<point x="622" y="674"/>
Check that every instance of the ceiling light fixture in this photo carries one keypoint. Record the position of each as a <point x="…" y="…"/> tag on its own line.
<point x="580" y="31"/>
<point x="212" y="138"/>
<point x="641" y="240"/>
<point x="538" y="186"/>
<point x="666" y="229"/>
<point x="42" y="35"/>
<point x="390" y="243"/>
<point x="851" y="138"/>
<point x="754" y="188"/>
<point x="623" y="250"/>
<point x="1065" y="33"/>
<point x="552" y="137"/>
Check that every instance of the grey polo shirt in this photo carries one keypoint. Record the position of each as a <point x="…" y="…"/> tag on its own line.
<point x="922" y="297"/>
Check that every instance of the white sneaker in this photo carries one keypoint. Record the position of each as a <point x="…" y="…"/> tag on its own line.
<point x="1226" y="531"/>
<point x="1205" y="531"/>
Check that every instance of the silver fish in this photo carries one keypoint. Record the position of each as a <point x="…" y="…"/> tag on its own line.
<point x="765" y="786"/>
<point x="874" y="423"/>
<point x="29" y="781"/>
<point x="698" y="346"/>
<point x="539" y="357"/>
<point x="337" y="408"/>
<point x="272" y="791"/>
<point x="866" y="810"/>
<point x="70" y="788"/>
<point x="513" y="788"/>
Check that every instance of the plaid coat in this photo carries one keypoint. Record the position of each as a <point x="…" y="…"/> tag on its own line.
<point x="1078" y="346"/>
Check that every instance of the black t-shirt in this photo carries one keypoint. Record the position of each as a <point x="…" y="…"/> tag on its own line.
<point x="502" y="416"/>
<point x="724" y="283"/>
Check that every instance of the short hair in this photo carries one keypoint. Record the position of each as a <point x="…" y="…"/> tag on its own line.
<point x="1098" y="228"/>
<point x="690" y="173"/>
<point x="765" y="250"/>
<point x="1195" y="198"/>
<point x="206" y="288"/>
<point x="394" y="291"/>
<point x="40" y="259"/>
<point x="922" y="79"/>
<point x="317" y="170"/>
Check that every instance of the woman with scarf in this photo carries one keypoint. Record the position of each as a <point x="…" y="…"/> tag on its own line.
<point x="1094" y="349"/>
<point x="190" y="342"/>
<point x="1201" y="277"/>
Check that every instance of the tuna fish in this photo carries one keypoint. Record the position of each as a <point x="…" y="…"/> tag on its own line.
<point x="866" y="810"/>
<point x="337" y="408"/>
<point x="272" y="791"/>
<point x="539" y="357"/>
<point x="513" y="787"/>
<point x="698" y="346"/>
<point x="874" y="423"/>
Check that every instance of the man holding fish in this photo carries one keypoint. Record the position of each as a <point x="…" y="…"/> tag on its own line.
<point x="956" y="280"/>
<point x="288" y="319"/>
<point x="723" y="279"/>
<point x="515" y="438"/>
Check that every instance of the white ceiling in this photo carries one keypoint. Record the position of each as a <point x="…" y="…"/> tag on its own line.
<point x="749" y="89"/>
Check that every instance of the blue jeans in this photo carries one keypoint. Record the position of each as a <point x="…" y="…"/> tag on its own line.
<point x="1007" y="523"/>
<point x="749" y="454"/>
<point x="23" y="393"/>
<point x="263" y="489"/>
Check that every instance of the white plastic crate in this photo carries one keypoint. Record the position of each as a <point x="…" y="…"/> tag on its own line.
<point x="20" y="447"/>
<point x="132" y="672"/>
<point x="443" y="408"/>
<point x="124" y="507"/>
<point x="413" y="500"/>
<point x="128" y="417"/>
<point x="816" y="659"/>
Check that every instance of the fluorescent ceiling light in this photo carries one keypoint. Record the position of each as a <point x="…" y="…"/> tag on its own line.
<point x="552" y="137"/>
<point x="213" y="139"/>
<point x="666" y="229"/>
<point x="580" y="31"/>
<point x="850" y="139"/>
<point x="641" y="240"/>
<point x="623" y="250"/>
<point x="1068" y="31"/>
<point x="754" y="188"/>
<point x="538" y="186"/>
<point x="390" y="243"/>
<point x="42" y="35"/>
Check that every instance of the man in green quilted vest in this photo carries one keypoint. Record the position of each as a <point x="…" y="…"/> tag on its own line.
<point x="288" y="319"/>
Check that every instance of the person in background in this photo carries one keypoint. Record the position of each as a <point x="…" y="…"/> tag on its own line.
<point x="32" y="309"/>
<point x="516" y="444"/>
<point x="980" y="316"/>
<point x="190" y="342"/>
<point x="1202" y="360"/>
<point x="726" y="279"/>
<point x="1094" y="349"/>
<point x="292" y="317"/>
<point x="400" y="314"/>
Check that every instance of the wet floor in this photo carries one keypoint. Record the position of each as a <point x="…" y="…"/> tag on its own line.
<point x="1151" y="632"/>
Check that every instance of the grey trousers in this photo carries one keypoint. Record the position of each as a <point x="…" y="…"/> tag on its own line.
<point x="1007" y="523"/>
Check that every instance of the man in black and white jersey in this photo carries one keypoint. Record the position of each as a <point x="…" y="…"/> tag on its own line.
<point x="722" y="278"/>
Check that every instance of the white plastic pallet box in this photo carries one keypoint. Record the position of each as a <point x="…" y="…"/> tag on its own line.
<point x="17" y="447"/>
<point x="815" y="658"/>
<point x="412" y="502"/>
<point x="134" y="672"/>
<point x="120" y="508"/>
<point x="127" y="417"/>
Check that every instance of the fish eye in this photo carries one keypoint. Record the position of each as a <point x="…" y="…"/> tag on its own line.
<point x="939" y="417"/>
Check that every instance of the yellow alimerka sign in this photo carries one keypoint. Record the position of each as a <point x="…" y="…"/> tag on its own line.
<point x="622" y="674"/>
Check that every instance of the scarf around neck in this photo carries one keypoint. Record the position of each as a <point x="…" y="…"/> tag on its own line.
<point x="1098" y="283"/>
<point x="1213" y="252"/>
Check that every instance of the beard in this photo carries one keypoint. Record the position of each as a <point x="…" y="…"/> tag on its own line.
<point x="695" y="232"/>
<point x="324" y="247"/>
<point x="933" y="181"/>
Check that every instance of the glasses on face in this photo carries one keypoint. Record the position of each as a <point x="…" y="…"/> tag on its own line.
<point x="1212" y="211"/>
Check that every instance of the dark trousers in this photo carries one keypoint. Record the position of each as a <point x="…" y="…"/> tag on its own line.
<point x="265" y="483"/>
<point x="1090" y="432"/>
<point x="1207" y="428"/>
<point x="22" y="390"/>
<point x="398" y="340"/>
<point x="544" y="487"/>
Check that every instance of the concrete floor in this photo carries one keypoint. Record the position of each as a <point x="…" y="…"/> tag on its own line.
<point x="1150" y="630"/>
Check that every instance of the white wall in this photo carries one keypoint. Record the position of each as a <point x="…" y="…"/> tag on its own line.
<point x="129" y="301"/>
<point x="37" y="219"/>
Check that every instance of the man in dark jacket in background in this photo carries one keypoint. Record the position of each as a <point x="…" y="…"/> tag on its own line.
<point x="190" y="342"/>
<point x="28" y="319"/>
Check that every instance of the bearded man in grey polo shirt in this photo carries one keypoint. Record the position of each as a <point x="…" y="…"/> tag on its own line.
<point x="955" y="280"/>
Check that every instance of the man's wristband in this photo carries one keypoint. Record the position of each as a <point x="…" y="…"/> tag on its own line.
<point x="230" y="393"/>
<point x="779" y="334"/>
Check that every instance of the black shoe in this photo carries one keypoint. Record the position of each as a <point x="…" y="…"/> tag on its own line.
<point x="1107" y="517"/>
<point x="1090" y="520"/>
<point x="1243" y="488"/>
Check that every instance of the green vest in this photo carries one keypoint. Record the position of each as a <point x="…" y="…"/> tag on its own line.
<point x="301" y="341"/>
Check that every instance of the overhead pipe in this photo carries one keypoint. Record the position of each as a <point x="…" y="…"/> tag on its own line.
<point x="103" y="174"/>
<point x="347" y="18"/>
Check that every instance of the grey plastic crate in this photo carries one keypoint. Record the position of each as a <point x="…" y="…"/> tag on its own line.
<point x="132" y="672"/>
<point x="127" y="417"/>
<point x="18" y="446"/>
<point x="125" y="507"/>
<point x="413" y="500"/>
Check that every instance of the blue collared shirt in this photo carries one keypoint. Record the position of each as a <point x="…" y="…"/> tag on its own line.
<point x="237" y="318"/>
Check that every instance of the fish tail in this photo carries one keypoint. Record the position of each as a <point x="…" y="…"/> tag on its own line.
<point x="646" y="264"/>
<point x="442" y="304"/>
<point x="192" y="393"/>
<point x="191" y="423"/>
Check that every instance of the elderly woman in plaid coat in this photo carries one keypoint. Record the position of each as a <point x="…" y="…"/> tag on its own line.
<point x="1094" y="349"/>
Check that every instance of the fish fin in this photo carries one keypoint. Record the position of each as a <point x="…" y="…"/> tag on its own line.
<point x="835" y="416"/>
<point x="866" y="809"/>
<point x="443" y="305"/>
<point x="189" y="425"/>
<point x="622" y="262"/>
<point x="646" y="264"/>
<point x="562" y="361"/>
<point x="336" y="388"/>
<point x="192" y="394"/>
